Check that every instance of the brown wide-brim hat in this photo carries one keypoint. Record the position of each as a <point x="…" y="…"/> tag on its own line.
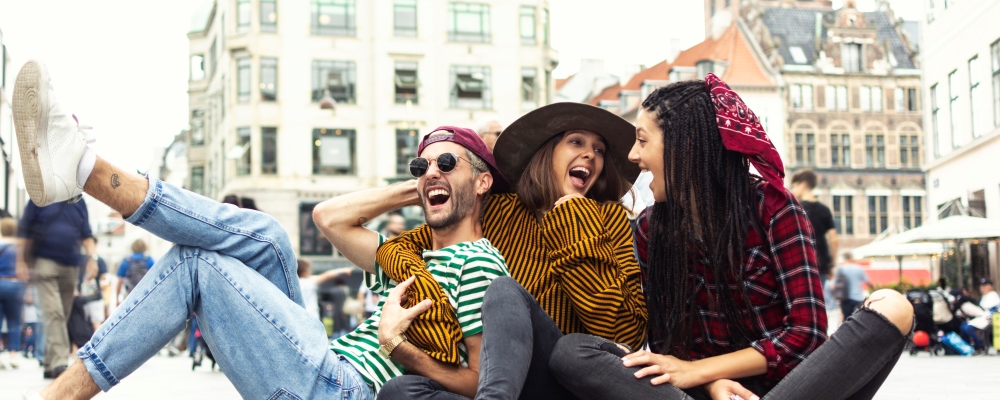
<point x="517" y="144"/>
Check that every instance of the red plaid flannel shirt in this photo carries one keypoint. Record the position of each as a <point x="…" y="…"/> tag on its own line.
<point x="782" y="282"/>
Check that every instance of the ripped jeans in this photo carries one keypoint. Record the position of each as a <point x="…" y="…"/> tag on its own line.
<point x="852" y="364"/>
<point x="236" y="270"/>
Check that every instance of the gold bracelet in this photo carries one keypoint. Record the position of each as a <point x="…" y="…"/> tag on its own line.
<point x="386" y="349"/>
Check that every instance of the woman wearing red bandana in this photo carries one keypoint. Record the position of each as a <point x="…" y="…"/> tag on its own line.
<point x="729" y="273"/>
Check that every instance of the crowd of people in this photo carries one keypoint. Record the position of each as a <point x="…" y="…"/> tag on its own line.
<point x="529" y="279"/>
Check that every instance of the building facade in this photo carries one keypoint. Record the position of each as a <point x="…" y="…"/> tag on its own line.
<point x="295" y="102"/>
<point x="961" y="64"/>
<point x="13" y="197"/>
<point x="851" y="88"/>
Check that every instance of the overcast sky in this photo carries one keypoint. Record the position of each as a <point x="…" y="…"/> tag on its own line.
<point x="121" y="65"/>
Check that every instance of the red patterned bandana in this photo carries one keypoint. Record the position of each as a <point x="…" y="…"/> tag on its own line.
<point x="742" y="132"/>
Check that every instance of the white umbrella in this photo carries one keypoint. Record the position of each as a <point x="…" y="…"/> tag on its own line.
<point x="885" y="248"/>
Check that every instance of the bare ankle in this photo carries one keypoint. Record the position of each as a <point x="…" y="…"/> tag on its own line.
<point x="75" y="383"/>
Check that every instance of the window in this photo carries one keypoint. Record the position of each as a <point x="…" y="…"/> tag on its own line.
<point x="906" y="99"/>
<point x="850" y="58"/>
<point x="243" y="80"/>
<point x="198" y="179"/>
<point x="404" y="14"/>
<point x="875" y="150"/>
<point x="468" y="22"/>
<point x="198" y="127"/>
<point x="212" y="60"/>
<point x="878" y="214"/>
<point x="333" y="17"/>
<point x="529" y="89"/>
<point x="977" y="203"/>
<point x="268" y="79"/>
<point x="311" y="240"/>
<point x="528" y="24"/>
<point x="805" y="148"/>
<point x="995" y="55"/>
<point x="935" y="121"/>
<point x="268" y="16"/>
<point x="705" y="66"/>
<point x="333" y="151"/>
<point x="974" y="102"/>
<point x="242" y="16"/>
<point x="197" y="67"/>
<point x="242" y="151"/>
<point x="470" y="87"/>
<point x="912" y="212"/>
<point x="909" y="151"/>
<point x="802" y="96"/>
<point x="843" y="214"/>
<point x="336" y="78"/>
<point x="406" y="82"/>
<point x="407" y="141"/>
<point x="840" y="149"/>
<point x="545" y="26"/>
<point x="269" y="150"/>
<point x="952" y="107"/>
<point x="836" y="98"/>
<point x="798" y="56"/>
<point x="871" y="98"/>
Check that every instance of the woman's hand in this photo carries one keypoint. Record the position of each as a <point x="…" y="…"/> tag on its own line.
<point x="664" y="369"/>
<point x="725" y="389"/>
<point x="567" y="198"/>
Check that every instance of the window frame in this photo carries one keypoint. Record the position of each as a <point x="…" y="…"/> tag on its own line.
<point x="995" y="60"/>
<point x="840" y="149"/>
<point x="456" y="9"/>
<point x="936" y="120"/>
<point x="802" y="96"/>
<point x="320" y="84"/>
<point x="532" y="39"/>
<point x="529" y="94"/>
<point x="244" y="164"/>
<point x="843" y="214"/>
<point x="805" y="147"/>
<point x="973" y="65"/>
<point x="875" y="150"/>
<point x="853" y="64"/>
<point x="243" y="16"/>
<point x="952" y="103"/>
<point x="878" y="214"/>
<point x="309" y="232"/>
<point x="265" y="25"/>
<point x="914" y="217"/>
<point x="268" y="65"/>
<point x="243" y="85"/>
<point x="321" y="170"/>
<point x="456" y="100"/>
<point x="318" y="28"/>
<point x="268" y="144"/>
<point x="400" y="86"/>
<point x="407" y="141"/>
<point x="200" y="187"/>
<point x="404" y="31"/>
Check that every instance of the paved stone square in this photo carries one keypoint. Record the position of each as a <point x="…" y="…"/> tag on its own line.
<point x="920" y="377"/>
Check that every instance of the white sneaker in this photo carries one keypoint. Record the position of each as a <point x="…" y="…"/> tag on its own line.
<point x="51" y="142"/>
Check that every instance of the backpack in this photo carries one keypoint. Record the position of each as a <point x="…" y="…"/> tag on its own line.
<point x="137" y="269"/>
<point x="942" y="311"/>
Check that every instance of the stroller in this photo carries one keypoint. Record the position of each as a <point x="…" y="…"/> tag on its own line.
<point x="925" y="336"/>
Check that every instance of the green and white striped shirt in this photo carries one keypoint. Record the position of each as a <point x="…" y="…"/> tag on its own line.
<point x="463" y="270"/>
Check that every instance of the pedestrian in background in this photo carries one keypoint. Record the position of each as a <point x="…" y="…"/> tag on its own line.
<point x="92" y="290"/>
<point x="33" y="338"/>
<point x="52" y="236"/>
<point x="310" y="283"/>
<point x="850" y="276"/>
<point x="819" y="215"/>
<point x="11" y="293"/>
<point x="489" y="132"/>
<point x="132" y="269"/>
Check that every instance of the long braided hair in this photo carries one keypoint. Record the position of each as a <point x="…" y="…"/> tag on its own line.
<point x="704" y="220"/>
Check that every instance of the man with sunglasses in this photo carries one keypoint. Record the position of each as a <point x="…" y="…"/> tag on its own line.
<point x="236" y="268"/>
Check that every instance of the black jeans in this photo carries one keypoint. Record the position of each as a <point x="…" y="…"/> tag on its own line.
<point x="851" y="365"/>
<point x="518" y="339"/>
<point x="847" y="307"/>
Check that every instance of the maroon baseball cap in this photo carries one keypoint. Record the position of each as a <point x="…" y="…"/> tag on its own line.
<point x="468" y="138"/>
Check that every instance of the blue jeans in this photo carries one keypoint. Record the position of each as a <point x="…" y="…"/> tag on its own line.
<point x="236" y="270"/>
<point x="971" y="335"/>
<point x="11" y="307"/>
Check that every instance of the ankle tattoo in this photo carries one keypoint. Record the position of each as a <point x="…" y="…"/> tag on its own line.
<point x="115" y="183"/>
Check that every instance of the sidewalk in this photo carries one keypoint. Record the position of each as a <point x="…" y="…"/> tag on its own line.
<point x="920" y="377"/>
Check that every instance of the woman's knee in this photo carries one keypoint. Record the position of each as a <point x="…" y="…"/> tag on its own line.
<point x="894" y="307"/>
<point x="503" y="290"/>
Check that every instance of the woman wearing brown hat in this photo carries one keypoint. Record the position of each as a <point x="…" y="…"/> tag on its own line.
<point x="729" y="272"/>
<point x="567" y="243"/>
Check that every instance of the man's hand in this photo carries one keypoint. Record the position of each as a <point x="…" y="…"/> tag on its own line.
<point x="725" y="389"/>
<point x="91" y="269"/>
<point x="396" y="319"/>
<point x="21" y="270"/>
<point x="664" y="369"/>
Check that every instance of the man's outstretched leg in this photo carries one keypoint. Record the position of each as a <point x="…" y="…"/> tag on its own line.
<point x="58" y="165"/>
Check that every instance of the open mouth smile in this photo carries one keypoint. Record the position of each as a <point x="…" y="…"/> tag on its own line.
<point x="579" y="176"/>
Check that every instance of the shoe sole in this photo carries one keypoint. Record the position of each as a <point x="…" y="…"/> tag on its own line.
<point x="31" y="114"/>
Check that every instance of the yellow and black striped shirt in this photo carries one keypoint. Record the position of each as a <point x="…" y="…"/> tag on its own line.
<point x="579" y="262"/>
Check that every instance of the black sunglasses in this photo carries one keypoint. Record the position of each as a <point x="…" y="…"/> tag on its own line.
<point x="446" y="163"/>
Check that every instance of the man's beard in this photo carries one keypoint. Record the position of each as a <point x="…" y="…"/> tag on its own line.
<point x="462" y="200"/>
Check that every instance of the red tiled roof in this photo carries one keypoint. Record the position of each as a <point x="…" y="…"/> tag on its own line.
<point x="609" y="93"/>
<point x="561" y="82"/>
<point x="656" y="72"/>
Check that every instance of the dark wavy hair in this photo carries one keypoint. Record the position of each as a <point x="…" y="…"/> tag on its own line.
<point x="704" y="219"/>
